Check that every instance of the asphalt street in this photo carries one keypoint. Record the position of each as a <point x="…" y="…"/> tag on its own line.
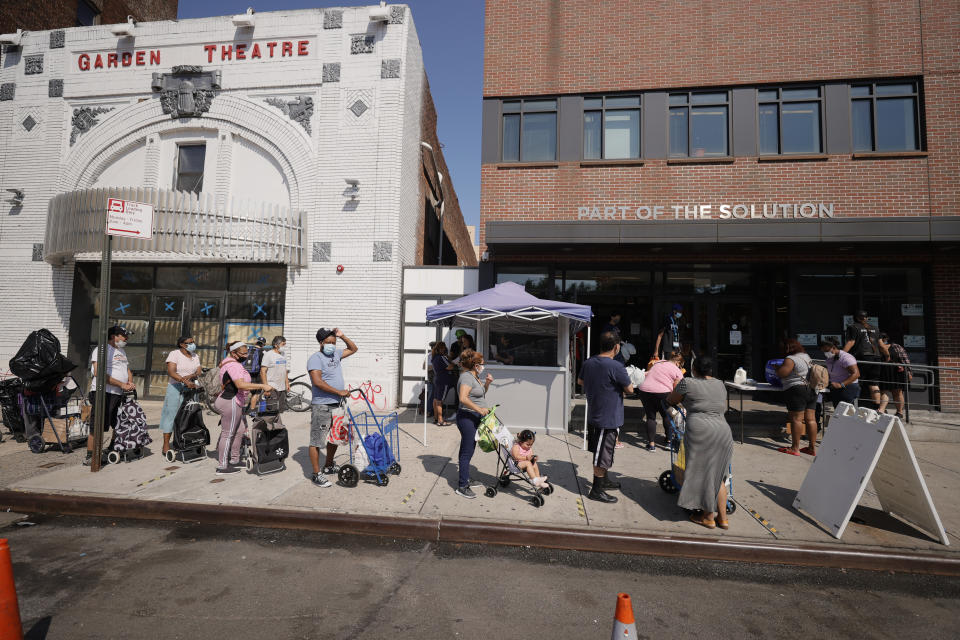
<point x="95" y="578"/>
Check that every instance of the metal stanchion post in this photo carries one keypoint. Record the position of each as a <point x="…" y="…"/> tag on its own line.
<point x="100" y="409"/>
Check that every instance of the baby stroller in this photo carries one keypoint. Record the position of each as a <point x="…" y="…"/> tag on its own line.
<point x="492" y="435"/>
<point x="190" y="435"/>
<point x="378" y="450"/>
<point x="672" y="479"/>
<point x="130" y="435"/>
<point x="266" y="445"/>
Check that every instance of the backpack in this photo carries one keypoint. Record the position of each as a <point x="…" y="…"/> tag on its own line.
<point x="378" y="450"/>
<point x="211" y="382"/>
<point x="818" y="378"/>
<point x="252" y="363"/>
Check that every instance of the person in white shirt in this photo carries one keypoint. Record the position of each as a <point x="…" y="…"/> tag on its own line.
<point x="274" y="366"/>
<point x="119" y="379"/>
<point x="183" y="368"/>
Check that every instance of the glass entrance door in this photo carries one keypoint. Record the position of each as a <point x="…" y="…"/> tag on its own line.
<point x="731" y="326"/>
<point x="198" y="315"/>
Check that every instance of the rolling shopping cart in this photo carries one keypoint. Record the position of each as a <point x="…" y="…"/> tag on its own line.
<point x="374" y="443"/>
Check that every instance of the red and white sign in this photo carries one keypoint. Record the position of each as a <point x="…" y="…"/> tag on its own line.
<point x="129" y="219"/>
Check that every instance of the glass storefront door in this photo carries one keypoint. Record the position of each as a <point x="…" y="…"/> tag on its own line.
<point x="732" y="345"/>
<point x="198" y="315"/>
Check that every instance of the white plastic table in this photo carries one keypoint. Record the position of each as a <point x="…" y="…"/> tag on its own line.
<point x="747" y="388"/>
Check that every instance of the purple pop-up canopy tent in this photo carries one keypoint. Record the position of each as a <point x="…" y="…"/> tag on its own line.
<point x="506" y="301"/>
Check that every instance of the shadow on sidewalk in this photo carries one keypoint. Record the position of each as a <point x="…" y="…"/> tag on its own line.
<point x="39" y="630"/>
<point x="654" y="500"/>
<point x="302" y="457"/>
<point x="784" y="497"/>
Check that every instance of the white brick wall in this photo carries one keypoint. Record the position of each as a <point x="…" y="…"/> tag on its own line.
<point x="380" y="148"/>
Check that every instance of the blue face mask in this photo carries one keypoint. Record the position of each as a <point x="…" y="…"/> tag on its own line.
<point x="191" y="347"/>
<point x="329" y="349"/>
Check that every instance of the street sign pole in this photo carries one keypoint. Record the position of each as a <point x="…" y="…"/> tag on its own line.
<point x="100" y="409"/>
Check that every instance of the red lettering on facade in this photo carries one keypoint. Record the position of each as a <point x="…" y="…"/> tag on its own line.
<point x="83" y="61"/>
<point x="226" y="52"/>
<point x="271" y="45"/>
<point x="210" y="49"/>
<point x="99" y="62"/>
<point x="155" y="57"/>
<point x="241" y="52"/>
<point x="140" y="58"/>
<point x="302" y="48"/>
<point x="126" y="58"/>
<point x="111" y="60"/>
<point x="255" y="51"/>
<point x="287" y="49"/>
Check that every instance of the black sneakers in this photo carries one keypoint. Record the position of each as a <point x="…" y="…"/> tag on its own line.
<point x="222" y="471"/>
<point x="320" y="480"/>
<point x="466" y="492"/>
<point x="601" y="496"/>
<point x="330" y="468"/>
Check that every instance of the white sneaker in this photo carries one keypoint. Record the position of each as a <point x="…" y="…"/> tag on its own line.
<point x="321" y="481"/>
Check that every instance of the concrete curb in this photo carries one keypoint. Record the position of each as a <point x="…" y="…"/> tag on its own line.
<point x="481" y="532"/>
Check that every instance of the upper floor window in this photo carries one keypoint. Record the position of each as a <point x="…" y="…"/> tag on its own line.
<point x="611" y="127"/>
<point x="87" y="14"/>
<point x="529" y="130"/>
<point x="699" y="124"/>
<point x="190" y="161"/>
<point x="789" y="120"/>
<point x="884" y="117"/>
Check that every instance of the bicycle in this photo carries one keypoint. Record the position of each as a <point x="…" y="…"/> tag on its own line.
<point x="300" y="395"/>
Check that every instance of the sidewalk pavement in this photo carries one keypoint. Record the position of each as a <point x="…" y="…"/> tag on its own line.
<point x="764" y="486"/>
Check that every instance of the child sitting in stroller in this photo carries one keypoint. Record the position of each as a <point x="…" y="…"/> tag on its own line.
<point x="522" y="454"/>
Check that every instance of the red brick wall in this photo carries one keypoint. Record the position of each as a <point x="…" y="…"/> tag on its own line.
<point x="40" y="15"/>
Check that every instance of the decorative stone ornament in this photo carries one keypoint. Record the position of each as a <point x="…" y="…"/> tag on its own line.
<point x="332" y="19"/>
<point x="390" y="68"/>
<point x="7" y="91"/>
<point x="358" y="108"/>
<point x="299" y="110"/>
<point x="55" y="88"/>
<point x="187" y="90"/>
<point x="331" y="72"/>
<point x="396" y="14"/>
<point x="382" y="251"/>
<point x="84" y="119"/>
<point x="33" y="65"/>
<point x="321" y="251"/>
<point x="57" y="39"/>
<point x="361" y="44"/>
<point x="38" y="252"/>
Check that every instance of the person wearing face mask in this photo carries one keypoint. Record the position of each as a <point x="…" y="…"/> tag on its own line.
<point x="329" y="389"/>
<point x="119" y="379"/>
<point x="230" y="404"/>
<point x="273" y="367"/>
<point x="843" y="371"/>
<point x="183" y="368"/>
<point x="472" y="391"/>
<point x="668" y="338"/>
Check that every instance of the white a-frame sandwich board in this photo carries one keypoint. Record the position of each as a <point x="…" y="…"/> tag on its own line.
<point x="863" y="446"/>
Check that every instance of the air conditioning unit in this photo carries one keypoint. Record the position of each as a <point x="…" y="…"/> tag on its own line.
<point x="381" y="13"/>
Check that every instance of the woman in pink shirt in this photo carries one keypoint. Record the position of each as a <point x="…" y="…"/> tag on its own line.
<point x="661" y="378"/>
<point x="230" y="405"/>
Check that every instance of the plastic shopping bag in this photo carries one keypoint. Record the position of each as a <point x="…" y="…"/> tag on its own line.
<point x="637" y="375"/>
<point x="339" y="427"/>
<point x="360" y="459"/>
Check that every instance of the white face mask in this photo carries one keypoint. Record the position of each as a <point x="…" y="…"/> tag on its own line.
<point x="121" y="344"/>
<point x="479" y="369"/>
<point x="830" y="355"/>
<point x="281" y="350"/>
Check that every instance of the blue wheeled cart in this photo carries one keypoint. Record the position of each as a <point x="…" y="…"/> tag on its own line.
<point x="378" y="435"/>
<point x="672" y="479"/>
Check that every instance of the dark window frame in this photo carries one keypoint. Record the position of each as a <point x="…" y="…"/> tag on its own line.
<point x="94" y="11"/>
<point x="177" y="174"/>
<point x="520" y="113"/>
<point x="873" y="98"/>
<point x="603" y="123"/>
<point x="688" y="106"/>
<point x="780" y="102"/>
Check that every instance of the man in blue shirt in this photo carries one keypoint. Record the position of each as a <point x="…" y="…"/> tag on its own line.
<point x="329" y="388"/>
<point x="604" y="381"/>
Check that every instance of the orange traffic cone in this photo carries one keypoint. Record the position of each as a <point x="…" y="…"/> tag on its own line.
<point x="623" y="624"/>
<point x="9" y="609"/>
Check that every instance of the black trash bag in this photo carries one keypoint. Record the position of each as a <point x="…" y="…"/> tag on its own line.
<point x="39" y="362"/>
<point x="10" y="391"/>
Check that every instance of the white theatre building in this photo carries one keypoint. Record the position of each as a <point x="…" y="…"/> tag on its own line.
<point x="282" y="154"/>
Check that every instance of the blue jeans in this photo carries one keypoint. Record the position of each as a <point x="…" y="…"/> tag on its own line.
<point x="849" y="394"/>
<point x="467" y="423"/>
<point x="171" y="405"/>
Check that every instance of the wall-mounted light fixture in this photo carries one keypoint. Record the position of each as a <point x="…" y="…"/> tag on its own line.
<point x="353" y="189"/>
<point x="381" y="13"/>
<point x="17" y="199"/>
<point x="12" y="39"/>
<point x="124" y="29"/>
<point x="245" y="19"/>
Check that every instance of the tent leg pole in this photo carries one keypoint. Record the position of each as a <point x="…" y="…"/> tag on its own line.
<point x="585" y="356"/>
<point x="426" y="363"/>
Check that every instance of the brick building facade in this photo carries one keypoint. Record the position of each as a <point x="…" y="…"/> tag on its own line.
<point x="769" y="166"/>
<point x="31" y="15"/>
<point x="284" y="164"/>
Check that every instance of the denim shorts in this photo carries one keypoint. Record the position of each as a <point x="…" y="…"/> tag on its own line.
<point x="321" y="419"/>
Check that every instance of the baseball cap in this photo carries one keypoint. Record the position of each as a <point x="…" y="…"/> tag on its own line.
<point x="460" y="333"/>
<point x="677" y="306"/>
<point x="323" y="334"/>
<point x="117" y="330"/>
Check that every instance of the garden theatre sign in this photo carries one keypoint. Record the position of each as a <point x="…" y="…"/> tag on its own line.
<point x="707" y="211"/>
<point x="262" y="50"/>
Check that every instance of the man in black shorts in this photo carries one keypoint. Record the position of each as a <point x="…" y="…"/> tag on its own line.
<point x="604" y="381"/>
